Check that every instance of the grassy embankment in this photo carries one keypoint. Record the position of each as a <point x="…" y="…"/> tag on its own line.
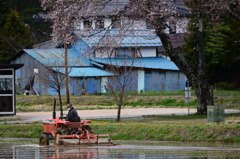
<point x="190" y="128"/>
<point x="229" y="99"/>
<point x="158" y="128"/>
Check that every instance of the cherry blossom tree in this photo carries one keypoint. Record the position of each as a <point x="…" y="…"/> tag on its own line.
<point x="65" y="14"/>
<point x="123" y="82"/>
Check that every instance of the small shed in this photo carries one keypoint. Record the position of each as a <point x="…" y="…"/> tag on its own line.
<point x="7" y="88"/>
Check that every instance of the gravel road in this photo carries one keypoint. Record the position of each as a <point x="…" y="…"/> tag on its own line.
<point x="108" y="113"/>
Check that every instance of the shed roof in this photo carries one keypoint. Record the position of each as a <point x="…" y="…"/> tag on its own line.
<point x="144" y="62"/>
<point x="55" y="57"/>
<point x="84" y="71"/>
<point x="121" y="38"/>
<point x="14" y="66"/>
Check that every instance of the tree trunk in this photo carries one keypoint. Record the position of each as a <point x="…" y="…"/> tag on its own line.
<point x="198" y="80"/>
<point x="119" y="112"/>
<point x="66" y="72"/>
<point x="203" y="91"/>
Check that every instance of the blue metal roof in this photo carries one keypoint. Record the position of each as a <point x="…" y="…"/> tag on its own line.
<point x="84" y="71"/>
<point x="118" y="38"/>
<point x="55" y="57"/>
<point x="144" y="62"/>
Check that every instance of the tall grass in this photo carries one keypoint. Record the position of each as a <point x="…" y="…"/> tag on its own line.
<point x="229" y="99"/>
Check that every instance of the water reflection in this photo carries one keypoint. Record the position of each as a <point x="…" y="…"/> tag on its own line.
<point x="23" y="149"/>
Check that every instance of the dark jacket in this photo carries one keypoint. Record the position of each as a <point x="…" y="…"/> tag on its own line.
<point x="72" y="115"/>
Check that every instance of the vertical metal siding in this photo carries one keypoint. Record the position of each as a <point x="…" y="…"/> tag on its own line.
<point x="164" y="81"/>
<point x="93" y="85"/>
<point x="148" y="77"/>
<point x="155" y="81"/>
<point x="170" y="81"/>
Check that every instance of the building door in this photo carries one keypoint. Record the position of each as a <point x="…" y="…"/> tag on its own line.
<point x="7" y="92"/>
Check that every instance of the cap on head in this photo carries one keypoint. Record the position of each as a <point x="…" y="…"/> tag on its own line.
<point x="69" y="105"/>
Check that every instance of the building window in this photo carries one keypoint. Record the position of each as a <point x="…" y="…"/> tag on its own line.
<point x="128" y="53"/>
<point x="6" y="85"/>
<point x="123" y="53"/>
<point x="87" y="24"/>
<point x="99" y="24"/>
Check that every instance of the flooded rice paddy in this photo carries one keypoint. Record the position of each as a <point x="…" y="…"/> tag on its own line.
<point x="29" y="149"/>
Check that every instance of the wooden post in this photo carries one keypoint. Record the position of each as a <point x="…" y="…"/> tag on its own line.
<point x="66" y="72"/>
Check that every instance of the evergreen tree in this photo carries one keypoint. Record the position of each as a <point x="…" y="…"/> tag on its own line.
<point x="221" y="50"/>
<point x="14" y="36"/>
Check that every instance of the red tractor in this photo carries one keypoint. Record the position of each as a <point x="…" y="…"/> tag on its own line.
<point x="65" y="132"/>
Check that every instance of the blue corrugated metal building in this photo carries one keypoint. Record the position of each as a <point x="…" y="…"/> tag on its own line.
<point x="81" y="72"/>
<point x="88" y="71"/>
<point x="158" y="73"/>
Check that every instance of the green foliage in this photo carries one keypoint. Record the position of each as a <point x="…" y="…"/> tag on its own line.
<point x="40" y="30"/>
<point x="220" y="49"/>
<point x="218" y="46"/>
<point x="14" y="36"/>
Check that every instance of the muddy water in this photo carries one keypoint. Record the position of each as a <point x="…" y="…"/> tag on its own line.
<point x="29" y="149"/>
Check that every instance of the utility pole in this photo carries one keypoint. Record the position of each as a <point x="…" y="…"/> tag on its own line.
<point x="66" y="72"/>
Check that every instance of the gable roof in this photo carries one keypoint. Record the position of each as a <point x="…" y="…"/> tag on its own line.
<point x="144" y="62"/>
<point x="110" y="8"/>
<point x="55" y="57"/>
<point x="102" y="8"/>
<point x="120" y="38"/>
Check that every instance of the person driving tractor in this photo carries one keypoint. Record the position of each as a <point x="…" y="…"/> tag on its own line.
<point x="72" y="115"/>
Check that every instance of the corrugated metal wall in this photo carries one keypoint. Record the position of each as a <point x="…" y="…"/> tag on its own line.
<point x="154" y="80"/>
<point x="26" y="72"/>
<point x="164" y="81"/>
<point x="92" y="85"/>
<point x="131" y="84"/>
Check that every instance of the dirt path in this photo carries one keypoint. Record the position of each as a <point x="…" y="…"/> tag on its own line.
<point x="107" y="113"/>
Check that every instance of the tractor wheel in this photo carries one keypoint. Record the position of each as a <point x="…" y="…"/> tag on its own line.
<point x="43" y="140"/>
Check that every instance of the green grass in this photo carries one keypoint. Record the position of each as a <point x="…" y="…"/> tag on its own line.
<point x="162" y="93"/>
<point x="32" y="130"/>
<point x="224" y="92"/>
<point x="153" y="128"/>
<point x="229" y="99"/>
<point x="182" y="117"/>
